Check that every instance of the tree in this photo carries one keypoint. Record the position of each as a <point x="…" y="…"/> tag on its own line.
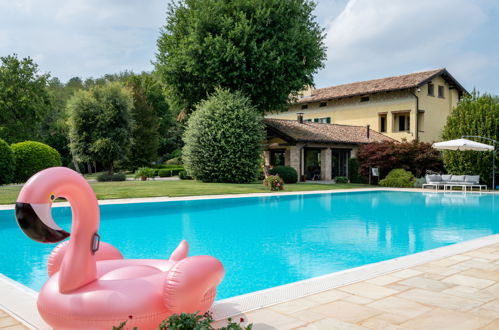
<point x="416" y="157"/>
<point x="223" y="139"/>
<point x="265" y="48"/>
<point x="24" y="100"/>
<point x="100" y="124"/>
<point x="474" y="115"/>
<point x="145" y="135"/>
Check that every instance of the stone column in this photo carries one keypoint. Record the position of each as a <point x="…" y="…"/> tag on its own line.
<point x="326" y="169"/>
<point x="294" y="159"/>
<point x="266" y="156"/>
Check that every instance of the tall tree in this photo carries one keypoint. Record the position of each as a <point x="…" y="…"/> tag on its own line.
<point x="100" y="124"/>
<point x="145" y="135"/>
<point x="24" y="100"/>
<point x="265" y="48"/>
<point x="474" y="115"/>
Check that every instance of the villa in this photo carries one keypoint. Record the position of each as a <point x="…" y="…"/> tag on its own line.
<point x="412" y="107"/>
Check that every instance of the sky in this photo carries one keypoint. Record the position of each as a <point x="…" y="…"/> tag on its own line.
<point x="366" y="39"/>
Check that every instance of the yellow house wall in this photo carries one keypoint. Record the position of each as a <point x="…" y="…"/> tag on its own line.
<point x="350" y="111"/>
<point x="436" y="109"/>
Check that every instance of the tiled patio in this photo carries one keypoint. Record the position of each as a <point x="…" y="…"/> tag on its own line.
<point x="9" y="323"/>
<point x="457" y="292"/>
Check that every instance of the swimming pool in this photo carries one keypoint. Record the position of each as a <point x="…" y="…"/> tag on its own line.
<point x="273" y="240"/>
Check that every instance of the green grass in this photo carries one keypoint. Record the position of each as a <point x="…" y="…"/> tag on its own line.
<point x="134" y="189"/>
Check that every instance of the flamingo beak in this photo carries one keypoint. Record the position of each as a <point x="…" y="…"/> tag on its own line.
<point x="36" y="222"/>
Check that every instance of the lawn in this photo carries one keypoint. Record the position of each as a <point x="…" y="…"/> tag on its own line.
<point x="133" y="189"/>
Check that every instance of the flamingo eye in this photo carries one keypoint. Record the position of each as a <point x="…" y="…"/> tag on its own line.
<point x="52" y="197"/>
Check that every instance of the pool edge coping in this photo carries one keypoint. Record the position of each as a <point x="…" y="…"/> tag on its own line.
<point x="20" y="301"/>
<point x="228" y="196"/>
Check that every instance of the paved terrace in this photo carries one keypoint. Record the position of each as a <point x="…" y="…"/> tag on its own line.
<point x="456" y="292"/>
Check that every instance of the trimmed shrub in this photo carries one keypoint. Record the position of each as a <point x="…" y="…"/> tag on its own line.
<point x="7" y="163"/>
<point x="165" y="172"/>
<point x="274" y="183"/>
<point x="184" y="176"/>
<point x="474" y="115"/>
<point x="341" y="179"/>
<point x="399" y="178"/>
<point x="224" y="139"/>
<point x="144" y="173"/>
<point x="32" y="157"/>
<point x="103" y="177"/>
<point x="353" y="171"/>
<point x="287" y="173"/>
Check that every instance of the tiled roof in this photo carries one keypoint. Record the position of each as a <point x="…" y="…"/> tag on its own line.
<point x="323" y="133"/>
<point x="378" y="85"/>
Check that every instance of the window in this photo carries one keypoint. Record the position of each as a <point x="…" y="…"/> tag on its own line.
<point x="382" y="123"/>
<point x="307" y="121"/>
<point x="421" y="121"/>
<point x="431" y="90"/>
<point x="316" y="120"/>
<point x="326" y="120"/>
<point x="441" y="91"/>
<point x="323" y="104"/>
<point x="305" y="106"/>
<point x="402" y="122"/>
<point x="277" y="157"/>
<point x="364" y="99"/>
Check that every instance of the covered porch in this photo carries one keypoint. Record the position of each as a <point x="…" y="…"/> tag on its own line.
<point x="317" y="151"/>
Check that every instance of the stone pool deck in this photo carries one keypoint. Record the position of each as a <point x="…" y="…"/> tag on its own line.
<point x="456" y="292"/>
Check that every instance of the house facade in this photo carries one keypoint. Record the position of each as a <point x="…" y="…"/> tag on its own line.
<point x="411" y="107"/>
<point x="317" y="151"/>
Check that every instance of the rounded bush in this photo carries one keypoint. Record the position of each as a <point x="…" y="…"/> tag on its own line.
<point x="287" y="173"/>
<point x="32" y="157"/>
<point x="7" y="163"/>
<point x="223" y="139"/>
<point x="144" y="173"/>
<point x="341" y="179"/>
<point x="399" y="178"/>
<point x="274" y="183"/>
<point x="104" y="177"/>
<point x="184" y="176"/>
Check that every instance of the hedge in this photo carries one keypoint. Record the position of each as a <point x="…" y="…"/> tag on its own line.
<point x="7" y="163"/>
<point x="32" y="157"/>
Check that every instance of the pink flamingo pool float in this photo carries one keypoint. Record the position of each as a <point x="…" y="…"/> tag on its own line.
<point x="91" y="285"/>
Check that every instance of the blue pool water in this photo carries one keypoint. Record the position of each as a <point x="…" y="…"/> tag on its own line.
<point x="269" y="241"/>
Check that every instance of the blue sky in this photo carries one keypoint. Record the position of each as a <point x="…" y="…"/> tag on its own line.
<point x="366" y="39"/>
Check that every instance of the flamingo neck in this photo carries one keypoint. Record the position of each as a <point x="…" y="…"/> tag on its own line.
<point x="79" y="265"/>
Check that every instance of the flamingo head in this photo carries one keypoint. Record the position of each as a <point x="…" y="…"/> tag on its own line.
<point x="34" y="204"/>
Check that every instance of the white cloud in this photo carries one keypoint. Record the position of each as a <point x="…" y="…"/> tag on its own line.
<point x="365" y="38"/>
<point x="82" y="37"/>
<point x="373" y="39"/>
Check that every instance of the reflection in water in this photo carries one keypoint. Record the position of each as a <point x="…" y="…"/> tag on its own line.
<point x="268" y="241"/>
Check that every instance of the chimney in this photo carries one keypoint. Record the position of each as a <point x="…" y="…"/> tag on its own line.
<point x="299" y="117"/>
<point x="368" y="127"/>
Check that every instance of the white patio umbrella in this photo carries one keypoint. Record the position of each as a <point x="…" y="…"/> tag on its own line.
<point x="464" y="144"/>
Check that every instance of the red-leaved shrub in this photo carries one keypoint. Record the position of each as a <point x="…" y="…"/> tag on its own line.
<point x="416" y="157"/>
